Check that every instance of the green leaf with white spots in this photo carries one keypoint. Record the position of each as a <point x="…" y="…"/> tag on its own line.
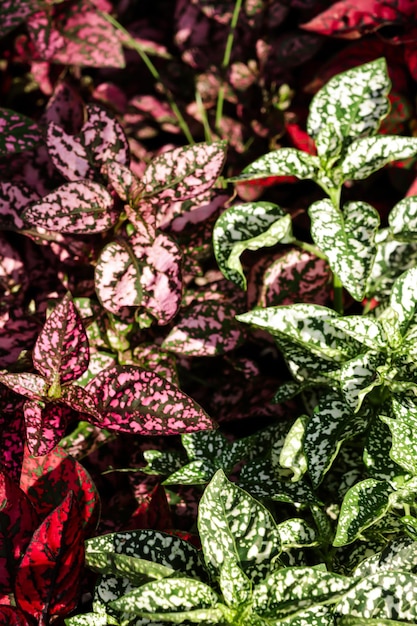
<point x="368" y="155"/>
<point x="404" y="442"/>
<point x="162" y="462"/>
<point x="292" y="454"/>
<point x="234" y="584"/>
<point x="232" y="524"/>
<point x="404" y="298"/>
<point x="91" y="619"/>
<point x="134" y="569"/>
<point x="307" y="367"/>
<point x="282" y="162"/>
<point x="376" y="453"/>
<point x="363" y="621"/>
<point x="248" y="226"/>
<point x="367" y="330"/>
<point x="198" y="472"/>
<point x="347" y="239"/>
<point x="331" y="423"/>
<point x="363" y="505"/>
<point x="402" y="219"/>
<point x="358" y="377"/>
<point x="170" y="595"/>
<point x="399" y="555"/>
<point x="351" y="104"/>
<point x="317" y="616"/>
<point x="296" y="533"/>
<point x="290" y="590"/>
<point x="384" y="595"/>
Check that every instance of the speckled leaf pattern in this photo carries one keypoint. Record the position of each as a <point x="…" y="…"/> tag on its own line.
<point x="83" y="207"/>
<point x="230" y="523"/>
<point x="67" y="153"/>
<point x="18" y="133"/>
<point x="14" y="12"/>
<point x="78" y="399"/>
<point x="376" y="454"/>
<point x="198" y="472"/>
<point x="402" y="219"/>
<point x="48" y="579"/>
<point x="184" y="172"/>
<point x="91" y="619"/>
<point x="329" y="426"/>
<point x="248" y="226"/>
<point x="404" y="299"/>
<point x="28" y="385"/>
<point x="368" y="331"/>
<point x="363" y="505"/>
<point x="205" y="329"/>
<point x="127" y="186"/>
<point x="103" y="136"/>
<point x="45" y="425"/>
<point x="364" y="90"/>
<point x="403" y="431"/>
<point x="296" y="533"/>
<point x="13" y="198"/>
<point x="47" y="479"/>
<point x="289" y="590"/>
<point x="135" y="400"/>
<point x="62" y="349"/>
<point x="347" y="239"/>
<point x="235" y="586"/>
<point x="366" y="156"/>
<point x="17" y="524"/>
<point x="383" y="595"/>
<point x="130" y="274"/>
<point x="282" y="162"/>
<point x="359" y="376"/>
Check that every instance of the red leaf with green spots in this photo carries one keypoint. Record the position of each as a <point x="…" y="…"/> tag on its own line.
<point x="135" y="400"/>
<point x="45" y="425"/>
<point x="205" y="329"/>
<point x="10" y="616"/>
<point x="184" y="172"/>
<point x="18" y="520"/>
<point x="18" y="133"/>
<point x="47" y="479"/>
<point x="62" y="346"/>
<point x="49" y="576"/>
<point x="82" y="207"/>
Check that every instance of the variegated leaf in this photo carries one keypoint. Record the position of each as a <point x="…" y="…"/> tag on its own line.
<point x="104" y="137"/>
<point x="28" y="385"/>
<point x="83" y="207"/>
<point x="296" y="533"/>
<point x="399" y="554"/>
<point x="330" y="425"/>
<point x="347" y="239"/>
<point x="350" y="105"/>
<point x="366" y="156"/>
<point x="134" y="400"/>
<point x="13" y="199"/>
<point x="404" y="299"/>
<point x="45" y="425"/>
<point x="127" y="186"/>
<point x="368" y="331"/>
<point x="403" y="430"/>
<point x="359" y="376"/>
<point x="249" y="226"/>
<point x="290" y="452"/>
<point x="68" y="154"/>
<point x="282" y="162"/>
<point x="14" y="12"/>
<point x="198" y="472"/>
<point x="18" y="133"/>
<point x="377" y="451"/>
<point x="402" y="219"/>
<point x="61" y="352"/>
<point x="363" y="505"/>
<point x="184" y="172"/>
<point x="232" y="523"/>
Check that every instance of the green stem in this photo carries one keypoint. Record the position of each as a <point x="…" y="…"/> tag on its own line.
<point x="203" y="114"/>
<point x="226" y="61"/>
<point x="154" y="72"/>
<point x="337" y="294"/>
<point x="309" y="247"/>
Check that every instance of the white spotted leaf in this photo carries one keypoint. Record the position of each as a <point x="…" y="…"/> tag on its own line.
<point x="403" y="427"/>
<point x="234" y="584"/>
<point x="402" y="219"/>
<point x="363" y="505"/>
<point x="132" y="399"/>
<point x="347" y="239"/>
<point x="359" y="376"/>
<point x="83" y="207"/>
<point x="248" y="226"/>
<point x="234" y="525"/>
<point x="366" y="156"/>
<point x="282" y="162"/>
<point x="404" y="299"/>
<point x="399" y="554"/>
<point x="297" y="533"/>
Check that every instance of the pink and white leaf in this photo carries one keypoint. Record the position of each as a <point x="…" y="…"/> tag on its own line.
<point x="62" y="346"/>
<point x="82" y="207"/>
<point x="135" y="400"/>
<point x="205" y="329"/>
<point x="45" y="425"/>
<point x="104" y="137"/>
<point x="184" y="172"/>
<point x="67" y="153"/>
<point x="127" y="186"/>
<point x="179" y="215"/>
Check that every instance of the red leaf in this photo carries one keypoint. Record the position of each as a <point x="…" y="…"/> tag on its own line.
<point x="48" y="579"/>
<point x="47" y="479"/>
<point x="134" y="400"/>
<point x="10" y="616"/>
<point x="61" y="352"/>
<point x="18" y="521"/>
<point x="153" y="512"/>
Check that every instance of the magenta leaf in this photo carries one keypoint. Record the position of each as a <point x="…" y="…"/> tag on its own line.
<point x="45" y="425"/>
<point x="82" y="207"/>
<point x="78" y="399"/>
<point x="135" y="400"/>
<point x="14" y="12"/>
<point x="13" y="198"/>
<point x="184" y="172"/>
<point x="67" y="153"/>
<point x="18" y="520"/>
<point x="61" y="351"/>
<point x="49" y="576"/>
<point x="29" y="385"/>
<point x="18" y="133"/>
<point x="47" y="479"/>
<point x="205" y="329"/>
<point x="104" y="136"/>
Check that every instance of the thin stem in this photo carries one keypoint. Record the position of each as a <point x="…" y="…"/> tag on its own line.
<point x="309" y="247"/>
<point x="226" y="61"/>
<point x="154" y="72"/>
<point x="203" y="114"/>
<point x="337" y="294"/>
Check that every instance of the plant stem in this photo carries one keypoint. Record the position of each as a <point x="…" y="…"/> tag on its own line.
<point x="154" y="72"/>
<point x="337" y="294"/>
<point x="203" y="114"/>
<point x="309" y="247"/>
<point x="226" y="61"/>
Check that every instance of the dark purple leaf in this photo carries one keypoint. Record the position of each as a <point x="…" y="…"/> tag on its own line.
<point x="135" y="400"/>
<point x="82" y="207"/>
<point x="18" y="133"/>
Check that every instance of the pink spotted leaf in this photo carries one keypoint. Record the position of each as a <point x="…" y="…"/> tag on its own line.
<point x="49" y="576"/>
<point x="67" y="153"/>
<point x="65" y="107"/>
<point x="184" y="172"/>
<point x="82" y="207"/>
<point x="47" y="479"/>
<point x="178" y="215"/>
<point x="135" y="400"/>
<point x="29" y="385"/>
<point x="13" y="198"/>
<point x="45" y="425"/>
<point x="14" y="12"/>
<point x="103" y="136"/>
<point x="61" y="351"/>
<point x="18" y="520"/>
<point x="205" y="329"/>
<point x="127" y="186"/>
<point x="78" y="399"/>
<point x="18" y="133"/>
